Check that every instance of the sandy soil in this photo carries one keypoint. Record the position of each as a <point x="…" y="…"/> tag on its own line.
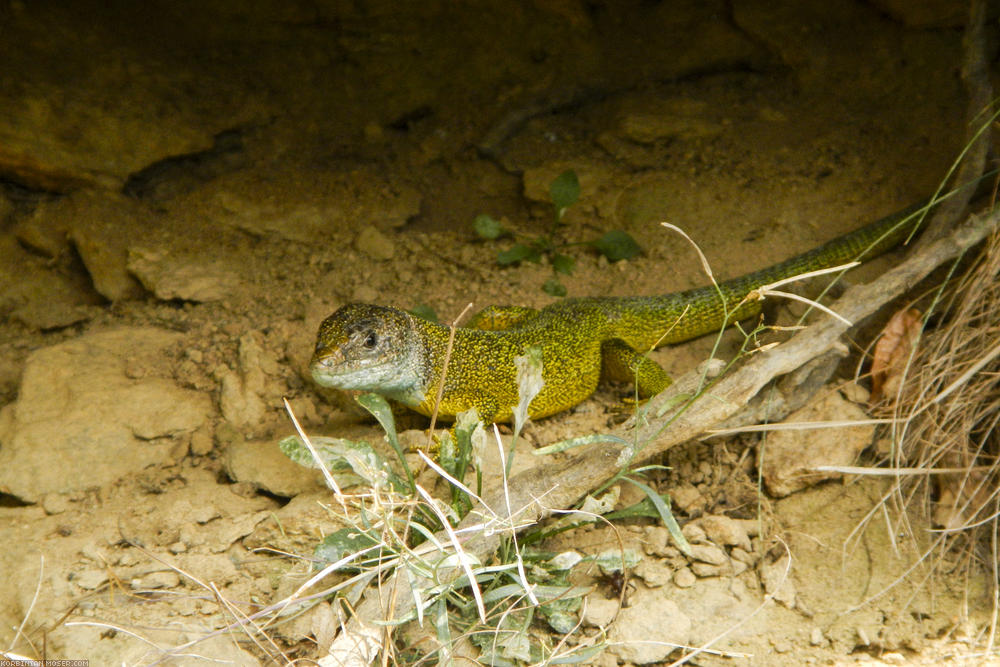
<point x="186" y="193"/>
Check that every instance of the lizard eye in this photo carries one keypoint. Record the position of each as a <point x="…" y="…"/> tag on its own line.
<point x="371" y="340"/>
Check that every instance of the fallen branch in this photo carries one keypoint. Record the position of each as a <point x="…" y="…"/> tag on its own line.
<point x="544" y="489"/>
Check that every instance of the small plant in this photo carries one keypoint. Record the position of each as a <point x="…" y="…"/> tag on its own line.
<point x="564" y="191"/>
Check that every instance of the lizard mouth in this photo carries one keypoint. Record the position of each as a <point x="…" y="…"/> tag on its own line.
<point x="328" y="366"/>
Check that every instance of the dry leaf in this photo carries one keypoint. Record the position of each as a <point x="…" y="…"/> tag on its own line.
<point x="892" y="351"/>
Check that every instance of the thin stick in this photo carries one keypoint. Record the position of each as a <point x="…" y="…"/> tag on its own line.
<point x="444" y="370"/>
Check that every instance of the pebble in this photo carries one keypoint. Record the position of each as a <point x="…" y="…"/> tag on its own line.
<point x="725" y="531"/>
<point x="90" y="579"/>
<point x="657" y="540"/>
<point x="709" y="553"/>
<point x="164" y="579"/>
<point x="375" y="244"/>
<point x="816" y="637"/>
<point x="684" y="578"/>
<point x="201" y="442"/>
<point x="599" y="611"/>
<point x="743" y="556"/>
<point x="705" y="570"/>
<point x="54" y="503"/>
<point x="694" y="533"/>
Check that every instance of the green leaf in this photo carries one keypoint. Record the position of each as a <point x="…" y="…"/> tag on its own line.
<point x="518" y="253"/>
<point x="424" y="312"/>
<point x="379" y="408"/>
<point x="565" y="190"/>
<point x="615" y="560"/>
<point x="343" y="543"/>
<point x="617" y="245"/>
<point x="343" y="457"/>
<point x="563" y="264"/>
<point x="553" y="287"/>
<point x="487" y="227"/>
<point x="666" y="516"/>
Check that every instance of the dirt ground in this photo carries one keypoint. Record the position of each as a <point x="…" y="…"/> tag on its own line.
<point x="186" y="192"/>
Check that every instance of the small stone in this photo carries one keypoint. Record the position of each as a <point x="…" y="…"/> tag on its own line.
<point x="164" y="579"/>
<point x="657" y="541"/>
<point x="54" y="503"/>
<point x="743" y="556"/>
<point x="653" y="572"/>
<point x="777" y="580"/>
<point x="855" y="393"/>
<point x="725" y="531"/>
<point x="599" y="611"/>
<point x="90" y="579"/>
<point x="709" y="553"/>
<point x="205" y="513"/>
<point x="816" y="638"/>
<point x="893" y="658"/>
<point x="201" y="442"/>
<point x="375" y="244"/>
<point x="705" y="570"/>
<point x="694" y="533"/>
<point x="684" y="578"/>
<point x="177" y="547"/>
<point x="92" y="552"/>
<point x="687" y="498"/>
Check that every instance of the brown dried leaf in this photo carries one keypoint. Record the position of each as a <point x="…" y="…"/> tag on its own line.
<point x="892" y="351"/>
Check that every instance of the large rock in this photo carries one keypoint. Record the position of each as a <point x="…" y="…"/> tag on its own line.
<point x="789" y="459"/>
<point x="93" y="409"/>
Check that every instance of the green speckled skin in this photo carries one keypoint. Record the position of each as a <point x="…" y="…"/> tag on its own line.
<point x="388" y="351"/>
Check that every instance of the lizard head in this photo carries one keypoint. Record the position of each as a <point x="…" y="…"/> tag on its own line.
<point x="372" y="348"/>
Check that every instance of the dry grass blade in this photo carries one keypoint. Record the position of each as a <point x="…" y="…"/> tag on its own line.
<point x="947" y="412"/>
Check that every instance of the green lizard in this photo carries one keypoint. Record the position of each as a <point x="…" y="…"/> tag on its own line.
<point x="401" y="356"/>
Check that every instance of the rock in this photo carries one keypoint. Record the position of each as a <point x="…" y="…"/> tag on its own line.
<point x="97" y="223"/>
<point x="654" y="572"/>
<point x="684" y="578"/>
<point x="43" y="230"/>
<point x="186" y="277"/>
<point x="687" y="498"/>
<point x="706" y="570"/>
<point x="657" y="541"/>
<point x="51" y="315"/>
<point x="725" y="531"/>
<point x="598" y="610"/>
<point x="54" y="503"/>
<point x="709" y="553"/>
<point x="693" y="532"/>
<point x="240" y="399"/>
<point x="674" y="119"/>
<point x="261" y="463"/>
<point x="298" y="526"/>
<point x="375" y="244"/>
<point x="153" y="580"/>
<point x="649" y="616"/>
<point x="777" y="580"/>
<point x="331" y="201"/>
<point x="81" y="421"/>
<point x="790" y="457"/>
<point x="91" y="579"/>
